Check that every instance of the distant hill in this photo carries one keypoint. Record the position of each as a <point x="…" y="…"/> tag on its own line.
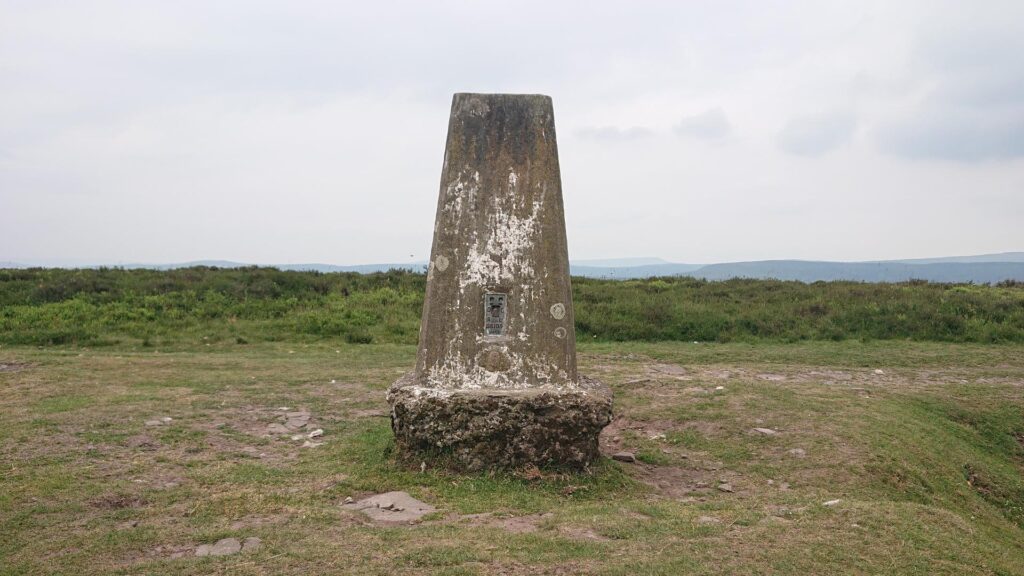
<point x="980" y="269"/>
<point x="631" y="272"/>
<point x="1001" y="257"/>
<point x="977" y="272"/>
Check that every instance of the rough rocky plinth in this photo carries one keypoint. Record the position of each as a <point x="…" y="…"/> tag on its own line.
<point x="495" y="383"/>
<point x="502" y="428"/>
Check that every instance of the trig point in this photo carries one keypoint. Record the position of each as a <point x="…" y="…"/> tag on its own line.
<point x="495" y="384"/>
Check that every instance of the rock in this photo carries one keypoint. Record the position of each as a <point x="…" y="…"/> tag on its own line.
<point x="831" y="503"/>
<point x="391" y="508"/>
<point x="879" y="372"/>
<point x="298" y="437"/>
<point x="296" y="420"/>
<point x="277" y="429"/>
<point x="221" y="548"/>
<point x="308" y="444"/>
<point x="348" y="500"/>
<point x="624" y="457"/>
<point x="154" y="423"/>
<point x="316" y="433"/>
<point x="502" y="428"/>
<point x="708" y="520"/>
<point x="725" y="487"/>
<point x="797" y="452"/>
<point x="766" y="431"/>
<point x="719" y="388"/>
<point x="166" y="419"/>
<point x="251" y="544"/>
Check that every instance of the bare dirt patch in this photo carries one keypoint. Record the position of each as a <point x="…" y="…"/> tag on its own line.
<point x="514" y="524"/>
<point x="670" y="370"/>
<point x="118" y="501"/>
<point x="676" y="482"/>
<point x="6" y="366"/>
<point x="613" y="437"/>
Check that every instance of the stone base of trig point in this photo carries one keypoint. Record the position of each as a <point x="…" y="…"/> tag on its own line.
<point x="501" y="428"/>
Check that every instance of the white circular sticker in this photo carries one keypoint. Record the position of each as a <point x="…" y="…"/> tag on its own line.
<point x="441" y="263"/>
<point x="558" y="311"/>
<point x="559" y="332"/>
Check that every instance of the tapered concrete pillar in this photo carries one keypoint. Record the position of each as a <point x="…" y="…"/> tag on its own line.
<point x="495" y="383"/>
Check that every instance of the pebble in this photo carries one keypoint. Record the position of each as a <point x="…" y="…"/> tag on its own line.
<point x="624" y="457"/>
<point x="798" y="452"/>
<point x="831" y="503"/>
<point x="766" y="431"/>
<point x="308" y="444"/>
<point x="154" y="423"/>
<point x="708" y="520"/>
<point x="879" y="372"/>
<point x="725" y="487"/>
<point x="316" y="433"/>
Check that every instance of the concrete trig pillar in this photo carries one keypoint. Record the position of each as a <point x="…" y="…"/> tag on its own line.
<point x="495" y="383"/>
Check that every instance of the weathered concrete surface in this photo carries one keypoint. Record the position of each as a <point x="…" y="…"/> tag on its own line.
<point x="495" y="383"/>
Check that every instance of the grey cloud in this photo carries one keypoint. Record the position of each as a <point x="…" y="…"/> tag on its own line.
<point x="613" y="133"/>
<point x="709" y="125"/>
<point x="816" y="135"/>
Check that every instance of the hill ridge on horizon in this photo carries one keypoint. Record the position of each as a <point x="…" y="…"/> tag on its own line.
<point x="981" y="268"/>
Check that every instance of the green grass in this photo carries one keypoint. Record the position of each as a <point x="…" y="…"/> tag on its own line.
<point x="235" y="307"/>
<point x="925" y="458"/>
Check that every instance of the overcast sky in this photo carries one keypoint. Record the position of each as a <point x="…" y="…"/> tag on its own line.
<point x="293" y="132"/>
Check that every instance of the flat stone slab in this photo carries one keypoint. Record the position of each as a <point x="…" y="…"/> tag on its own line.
<point x="392" y="508"/>
<point x="502" y="428"/>
<point x="228" y="546"/>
